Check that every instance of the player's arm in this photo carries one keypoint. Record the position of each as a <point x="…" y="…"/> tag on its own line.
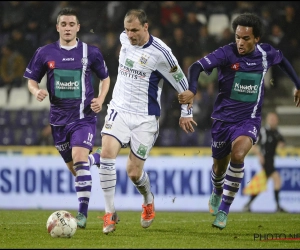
<point x="96" y="104"/>
<point x="286" y="67"/>
<point x="193" y="74"/>
<point x="33" y="87"/>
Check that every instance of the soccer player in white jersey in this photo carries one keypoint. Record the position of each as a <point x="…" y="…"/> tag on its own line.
<point x="133" y="113"/>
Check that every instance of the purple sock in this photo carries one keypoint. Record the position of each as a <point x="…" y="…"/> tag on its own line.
<point x="97" y="159"/>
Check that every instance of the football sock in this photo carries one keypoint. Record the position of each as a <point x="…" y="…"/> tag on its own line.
<point x="108" y="179"/>
<point x="233" y="179"/>
<point x="94" y="159"/>
<point x="217" y="182"/>
<point x="83" y="185"/>
<point x="143" y="186"/>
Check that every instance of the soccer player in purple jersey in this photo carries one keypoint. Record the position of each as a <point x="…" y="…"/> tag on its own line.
<point x="68" y="64"/>
<point x="237" y="109"/>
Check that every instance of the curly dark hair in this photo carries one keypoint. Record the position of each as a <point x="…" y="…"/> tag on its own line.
<point x="249" y="20"/>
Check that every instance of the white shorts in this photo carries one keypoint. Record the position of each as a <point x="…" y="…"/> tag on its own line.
<point x="137" y="131"/>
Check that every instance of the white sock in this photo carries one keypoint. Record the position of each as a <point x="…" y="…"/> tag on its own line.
<point x="108" y="179"/>
<point x="144" y="188"/>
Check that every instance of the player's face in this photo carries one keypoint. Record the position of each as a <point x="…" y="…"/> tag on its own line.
<point x="137" y="33"/>
<point x="245" y="40"/>
<point x="67" y="29"/>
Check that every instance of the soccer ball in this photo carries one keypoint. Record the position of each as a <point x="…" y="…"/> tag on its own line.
<point x="61" y="224"/>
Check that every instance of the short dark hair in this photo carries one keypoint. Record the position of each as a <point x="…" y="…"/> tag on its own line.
<point x="137" y="13"/>
<point x="249" y="20"/>
<point x="67" y="12"/>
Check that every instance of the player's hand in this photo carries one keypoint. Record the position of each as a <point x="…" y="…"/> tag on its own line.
<point x="297" y="97"/>
<point x="186" y="123"/>
<point x="96" y="105"/>
<point x="186" y="97"/>
<point x="41" y="94"/>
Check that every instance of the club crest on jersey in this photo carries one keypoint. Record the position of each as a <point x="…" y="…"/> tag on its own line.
<point x="84" y="61"/>
<point x="129" y="63"/>
<point x="51" y="64"/>
<point x="144" y="58"/>
<point x="235" y="66"/>
<point x="173" y="69"/>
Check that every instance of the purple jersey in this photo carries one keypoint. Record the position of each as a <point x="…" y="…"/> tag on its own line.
<point x="69" y="79"/>
<point x="240" y="80"/>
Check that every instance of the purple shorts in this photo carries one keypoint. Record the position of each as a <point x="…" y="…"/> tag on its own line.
<point x="224" y="133"/>
<point x="80" y="133"/>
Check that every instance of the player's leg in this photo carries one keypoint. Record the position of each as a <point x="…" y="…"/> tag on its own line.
<point x="217" y="174"/>
<point x="82" y="136"/>
<point x="233" y="178"/>
<point x="115" y="135"/>
<point x="141" y="181"/>
<point x="221" y="156"/>
<point x="143" y="137"/>
<point x="108" y="178"/>
<point x="83" y="183"/>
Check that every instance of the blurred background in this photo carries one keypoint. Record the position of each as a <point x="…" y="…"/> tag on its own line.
<point x="191" y="28"/>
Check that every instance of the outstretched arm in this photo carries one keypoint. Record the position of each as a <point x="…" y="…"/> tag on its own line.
<point x="286" y="67"/>
<point x="193" y="75"/>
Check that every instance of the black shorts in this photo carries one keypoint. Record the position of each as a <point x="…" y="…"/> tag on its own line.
<point x="269" y="168"/>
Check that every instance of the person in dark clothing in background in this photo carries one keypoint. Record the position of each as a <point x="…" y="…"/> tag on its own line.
<point x="269" y="140"/>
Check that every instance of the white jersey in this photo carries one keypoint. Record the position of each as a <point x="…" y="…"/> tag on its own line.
<point x="141" y="72"/>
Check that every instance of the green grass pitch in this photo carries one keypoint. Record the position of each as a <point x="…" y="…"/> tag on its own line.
<point x="178" y="230"/>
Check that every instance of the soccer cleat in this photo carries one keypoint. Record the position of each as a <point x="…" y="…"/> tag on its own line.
<point x="221" y="220"/>
<point x="81" y="220"/>
<point x="148" y="214"/>
<point x="214" y="203"/>
<point x="109" y="222"/>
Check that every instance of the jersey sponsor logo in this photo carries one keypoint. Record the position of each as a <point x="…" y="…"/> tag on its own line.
<point x="144" y="58"/>
<point x="218" y="144"/>
<point x="28" y="70"/>
<point x="129" y="63"/>
<point x="235" y="66"/>
<point x="142" y="150"/>
<point x="245" y="86"/>
<point x="131" y="73"/>
<point x="250" y="64"/>
<point x="174" y="69"/>
<point x="84" y="61"/>
<point x="63" y="147"/>
<point x="68" y="59"/>
<point x="67" y="84"/>
<point x="51" y="64"/>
